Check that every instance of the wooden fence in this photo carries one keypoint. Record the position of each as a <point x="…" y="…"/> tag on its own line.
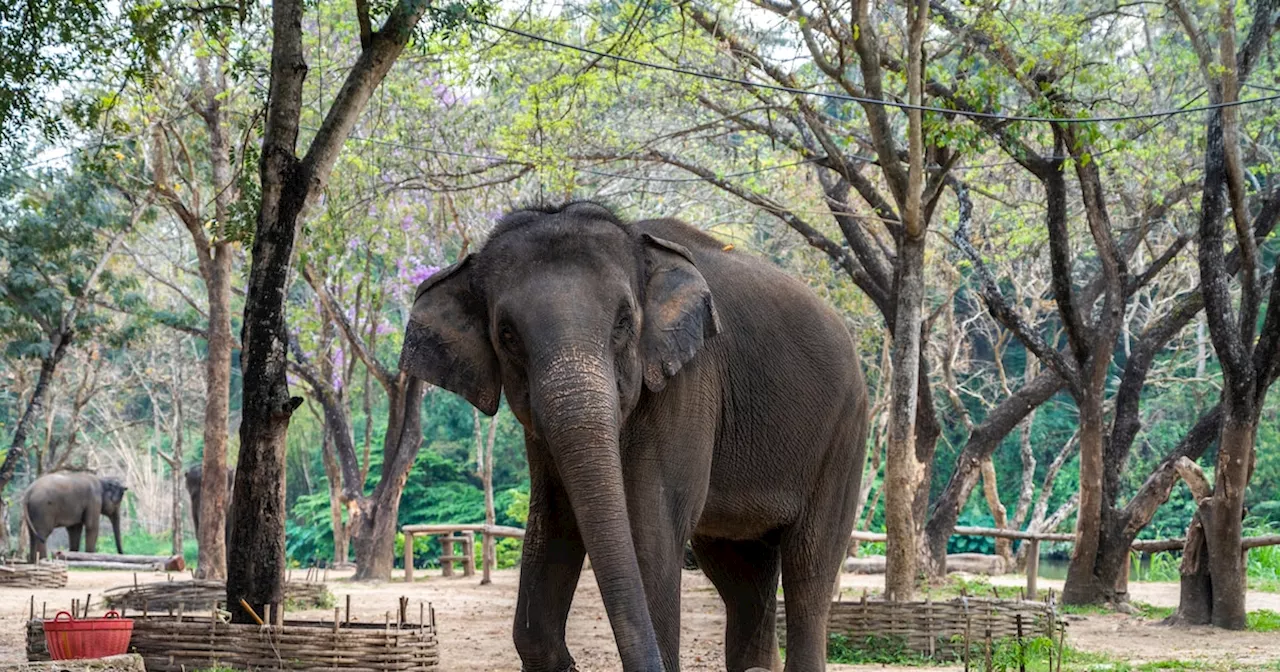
<point x="181" y="644"/>
<point x="1033" y="540"/>
<point x="936" y="629"/>
<point x="451" y="537"/>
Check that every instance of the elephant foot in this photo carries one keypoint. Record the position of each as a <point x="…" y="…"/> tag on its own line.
<point x="571" y="667"/>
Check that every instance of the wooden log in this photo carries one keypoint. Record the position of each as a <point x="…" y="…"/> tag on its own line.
<point x="495" y="530"/>
<point x="973" y="563"/>
<point x="1033" y="567"/>
<point x="172" y="563"/>
<point x="408" y="556"/>
<point x="125" y="566"/>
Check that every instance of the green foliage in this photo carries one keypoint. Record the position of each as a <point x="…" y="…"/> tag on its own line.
<point x="1262" y="620"/>
<point x="1152" y="612"/>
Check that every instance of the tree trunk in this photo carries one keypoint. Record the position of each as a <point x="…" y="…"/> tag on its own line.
<point x="18" y="447"/>
<point x="376" y="516"/>
<point x="902" y="472"/>
<point x="991" y="492"/>
<point x="1195" y="603"/>
<point x="1082" y="585"/>
<point x="328" y="455"/>
<point x="1224" y="523"/>
<point x="212" y="562"/>
<point x="175" y="469"/>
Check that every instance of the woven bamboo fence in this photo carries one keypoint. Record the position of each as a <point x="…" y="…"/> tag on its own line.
<point x="936" y="628"/>
<point x="37" y="575"/>
<point x="200" y="595"/>
<point x="170" y="644"/>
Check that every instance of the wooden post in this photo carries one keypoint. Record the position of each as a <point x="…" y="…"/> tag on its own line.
<point x="447" y="551"/>
<point x="1033" y="567"/>
<point x="468" y="554"/>
<point x="408" y="557"/>
<point x="486" y="548"/>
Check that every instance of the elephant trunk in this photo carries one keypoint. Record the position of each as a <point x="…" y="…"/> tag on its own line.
<point x="575" y="404"/>
<point x="115" y="529"/>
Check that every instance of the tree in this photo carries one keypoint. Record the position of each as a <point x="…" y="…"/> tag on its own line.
<point x="288" y="184"/>
<point x="60" y="235"/>
<point x="1213" y="571"/>
<point x="215" y="242"/>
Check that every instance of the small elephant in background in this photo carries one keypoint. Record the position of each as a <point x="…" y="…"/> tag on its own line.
<point x="195" y="477"/>
<point x="76" y="501"/>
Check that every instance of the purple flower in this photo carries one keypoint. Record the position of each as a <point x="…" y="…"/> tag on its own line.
<point x="417" y="275"/>
<point x="406" y="223"/>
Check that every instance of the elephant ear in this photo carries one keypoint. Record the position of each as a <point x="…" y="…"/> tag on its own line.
<point x="446" y="342"/>
<point x="679" y="313"/>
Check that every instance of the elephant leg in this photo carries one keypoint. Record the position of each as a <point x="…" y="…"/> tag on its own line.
<point x="659" y="533"/>
<point x="91" y="537"/>
<point x="73" y="536"/>
<point x="812" y="552"/>
<point x="549" y="569"/>
<point x="746" y="575"/>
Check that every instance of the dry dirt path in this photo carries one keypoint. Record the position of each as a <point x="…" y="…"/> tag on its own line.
<point x="475" y="621"/>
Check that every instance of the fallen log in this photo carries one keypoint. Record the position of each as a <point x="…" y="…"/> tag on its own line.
<point x="124" y="566"/>
<point x="170" y="563"/>
<point x="971" y="563"/>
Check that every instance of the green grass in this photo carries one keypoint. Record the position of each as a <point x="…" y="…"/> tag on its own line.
<point x="1085" y="609"/>
<point x="1262" y="620"/>
<point x="1151" y="611"/>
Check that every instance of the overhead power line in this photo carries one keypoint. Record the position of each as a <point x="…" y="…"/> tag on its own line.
<point x="875" y="101"/>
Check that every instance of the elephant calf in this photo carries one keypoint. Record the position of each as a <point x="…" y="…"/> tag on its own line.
<point x="76" y="501"/>
<point x="670" y="389"/>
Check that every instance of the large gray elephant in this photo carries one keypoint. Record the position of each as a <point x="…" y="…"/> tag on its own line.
<point x="195" y="480"/>
<point x="670" y="388"/>
<point x="76" y="500"/>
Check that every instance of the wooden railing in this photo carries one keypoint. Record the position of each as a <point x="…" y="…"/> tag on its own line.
<point x="450" y="540"/>
<point x="1034" y="539"/>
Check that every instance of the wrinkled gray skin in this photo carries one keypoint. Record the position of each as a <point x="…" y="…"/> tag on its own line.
<point x="76" y="501"/>
<point x="195" y="477"/>
<point x="669" y="389"/>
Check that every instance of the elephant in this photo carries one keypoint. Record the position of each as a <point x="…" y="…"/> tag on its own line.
<point x="194" y="478"/>
<point x="76" y="501"/>
<point x="670" y="388"/>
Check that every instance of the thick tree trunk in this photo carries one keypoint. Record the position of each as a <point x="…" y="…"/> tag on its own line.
<point x="902" y="472"/>
<point x="1195" y="603"/>
<point x="1082" y="585"/>
<point x="1224" y="522"/>
<point x="374" y="531"/>
<point x="259" y="511"/>
<point x="212" y="562"/>
<point x="35" y="406"/>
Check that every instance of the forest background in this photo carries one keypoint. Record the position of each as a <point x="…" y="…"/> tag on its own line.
<point x="129" y="189"/>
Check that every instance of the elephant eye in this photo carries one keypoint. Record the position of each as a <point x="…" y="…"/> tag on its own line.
<point x="623" y="326"/>
<point x="508" y="338"/>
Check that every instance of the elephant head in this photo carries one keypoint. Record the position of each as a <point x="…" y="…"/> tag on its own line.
<point x="112" y="495"/>
<point x="571" y="313"/>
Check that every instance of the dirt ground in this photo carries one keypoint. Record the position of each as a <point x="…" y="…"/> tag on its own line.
<point x="475" y="621"/>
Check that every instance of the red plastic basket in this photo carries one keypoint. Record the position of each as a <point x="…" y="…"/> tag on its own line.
<point x="87" y="637"/>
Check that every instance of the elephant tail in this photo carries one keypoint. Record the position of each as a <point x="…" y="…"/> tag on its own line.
<point x="26" y="517"/>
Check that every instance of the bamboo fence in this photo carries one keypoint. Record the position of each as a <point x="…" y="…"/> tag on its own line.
<point x="936" y="628"/>
<point x="200" y="595"/>
<point x="179" y="644"/>
<point x="38" y="575"/>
